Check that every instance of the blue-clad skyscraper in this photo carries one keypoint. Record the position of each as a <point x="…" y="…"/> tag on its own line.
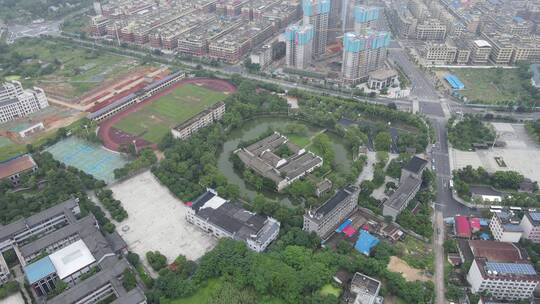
<point x="365" y="17"/>
<point x="316" y="13"/>
<point x="299" y="43"/>
<point x="363" y="53"/>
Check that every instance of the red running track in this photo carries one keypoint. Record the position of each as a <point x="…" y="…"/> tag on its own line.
<point x="112" y="137"/>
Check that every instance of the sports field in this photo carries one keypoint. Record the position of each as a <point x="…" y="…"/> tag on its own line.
<point x="155" y="119"/>
<point x="88" y="157"/>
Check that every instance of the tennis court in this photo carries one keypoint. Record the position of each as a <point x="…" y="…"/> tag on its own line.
<point x="88" y="157"/>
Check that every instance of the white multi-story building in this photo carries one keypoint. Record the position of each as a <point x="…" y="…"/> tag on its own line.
<point x="363" y="53"/>
<point x="480" y="51"/>
<point x="530" y="224"/>
<point x="222" y="218"/>
<point x="199" y="121"/>
<point x="329" y="215"/>
<point x="316" y="13"/>
<point x="504" y="228"/>
<point x="299" y="45"/>
<point x="513" y="280"/>
<point x="16" y="102"/>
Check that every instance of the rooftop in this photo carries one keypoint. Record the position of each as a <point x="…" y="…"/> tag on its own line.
<point x="334" y="201"/>
<point x="416" y="165"/>
<point x="496" y="251"/>
<point x="71" y="259"/>
<point x="39" y="269"/>
<point x="398" y="199"/>
<point x="16" y="165"/>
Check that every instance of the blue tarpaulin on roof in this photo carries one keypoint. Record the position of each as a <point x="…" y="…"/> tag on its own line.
<point x="39" y="269"/>
<point x="342" y="226"/>
<point x="365" y="242"/>
<point x="484" y="222"/>
<point x="484" y="236"/>
<point x="454" y="82"/>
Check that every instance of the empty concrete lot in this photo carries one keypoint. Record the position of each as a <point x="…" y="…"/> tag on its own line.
<point x="157" y="220"/>
<point x="521" y="153"/>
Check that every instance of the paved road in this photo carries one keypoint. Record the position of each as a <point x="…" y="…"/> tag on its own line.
<point x="422" y="88"/>
<point x="438" y="239"/>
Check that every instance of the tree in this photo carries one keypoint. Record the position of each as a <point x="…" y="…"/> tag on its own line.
<point x="156" y="260"/>
<point x="382" y="141"/>
<point x="128" y="279"/>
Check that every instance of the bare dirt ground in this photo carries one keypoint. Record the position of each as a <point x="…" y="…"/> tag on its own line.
<point x="410" y="274"/>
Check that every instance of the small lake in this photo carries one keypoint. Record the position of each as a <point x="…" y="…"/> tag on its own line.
<point x="254" y="128"/>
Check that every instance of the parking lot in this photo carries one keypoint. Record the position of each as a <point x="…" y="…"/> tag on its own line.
<point x="156" y="220"/>
<point x="520" y="154"/>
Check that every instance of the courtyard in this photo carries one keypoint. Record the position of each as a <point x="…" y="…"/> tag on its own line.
<point x="157" y="220"/>
<point x="520" y="154"/>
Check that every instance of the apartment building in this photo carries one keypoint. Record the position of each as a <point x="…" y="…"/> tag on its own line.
<point x="197" y="41"/>
<point x="223" y="218"/>
<point x="365" y="17"/>
<point x="502" y="50"/>
<point x="505" y="227"/>
<point x="298" y="46"/>
<point x="13" y="168"/>
<point x="530" y="224"/>
<point x="363" y="53"/>
<point x="262" y="56"/>
<point x="480" y="51"/>
<point x="430" y="30"/>
<point x="199" y="121"/>
<point x="235" y="44"/>
<point x="15" y="102"/>
<point x="409" y="184"/>
<point x="325" y="218"/>
<point x="316" y="13"/>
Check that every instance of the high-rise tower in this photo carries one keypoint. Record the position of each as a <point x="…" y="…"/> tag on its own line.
<point x="365" y="17"/>
<point x="316" y="13"/>
<point x="299" y="43"/>
<point x="363" y="53"/>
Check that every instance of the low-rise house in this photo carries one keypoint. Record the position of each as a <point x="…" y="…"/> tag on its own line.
<point x="365" y="289"/>
<point x="223" y="218"/>
<point x="262" y="157"/>
<point x="13" y="169"/>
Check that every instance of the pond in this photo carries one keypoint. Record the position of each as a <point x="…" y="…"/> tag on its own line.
<point x="254" y="128"/>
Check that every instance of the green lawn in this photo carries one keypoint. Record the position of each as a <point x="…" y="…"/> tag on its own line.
<point x="76" y="70"/>
<point x="299" y="140"/>
<point x="490" y="86"/>
<point x="155" y="119"/>
<point x="202" y="296"/>
<point x="329" y="289"/>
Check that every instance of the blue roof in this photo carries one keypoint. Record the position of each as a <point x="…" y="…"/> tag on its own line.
<point x="39" y="269"/>
<point x="365" y="242"/>
<point x="484" y="236"/>
<point x="518" y="19"/>
<point x="342" y="226"/>
<point x="454" y="82"/>
<point x="484" y="222"/>
<point x="535" y="216"/>
<point x="511" y="268"/>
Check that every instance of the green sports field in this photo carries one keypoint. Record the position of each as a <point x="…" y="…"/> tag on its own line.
<point x="156" y="118"/>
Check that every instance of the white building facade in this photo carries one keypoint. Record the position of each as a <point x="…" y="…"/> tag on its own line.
<point x="15" y="102"/>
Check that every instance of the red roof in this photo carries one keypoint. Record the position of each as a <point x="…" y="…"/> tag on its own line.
<point x="16" y="165"/>
<point x="462" y="226"/>
<point x="496" y="251"/>
<point x="189" y="204"/>
<point x="349" y="230"/>
<point x="475" y="223"/>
